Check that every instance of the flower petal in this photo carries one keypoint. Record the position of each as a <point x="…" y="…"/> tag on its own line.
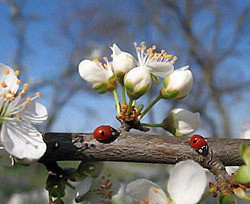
<point x="116" y="50"/>
<point x="161" y="69"/>
<point x="94" y="73"/>
<point x="21" y="139"/>
<point x="187" y="182"/>
<point x="83" y="187"/>
<point x="185" y="121"/>
<point x="35" y="112"/>
<point x="139" y="189"/>
<point x="157" y="195"/>
<point x="10" y="79"/>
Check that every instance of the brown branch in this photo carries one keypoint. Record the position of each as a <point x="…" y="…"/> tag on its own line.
<point x="131" y="147"/>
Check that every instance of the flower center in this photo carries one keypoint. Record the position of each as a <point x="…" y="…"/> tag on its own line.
<point x="10" y="104"/>
<point x="146" y="55"/>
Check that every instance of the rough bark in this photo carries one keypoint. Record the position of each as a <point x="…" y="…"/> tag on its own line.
<point x="131" y="147"/>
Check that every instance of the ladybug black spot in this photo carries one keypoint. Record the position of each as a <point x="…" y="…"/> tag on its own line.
<point x="102" y="133"/>
<point x="195" y="140"/>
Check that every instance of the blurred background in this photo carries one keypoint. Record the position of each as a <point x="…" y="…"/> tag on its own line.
<point x="46" y="40"/>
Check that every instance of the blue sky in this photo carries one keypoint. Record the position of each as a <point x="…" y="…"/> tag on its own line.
<point x="47" y="60"/>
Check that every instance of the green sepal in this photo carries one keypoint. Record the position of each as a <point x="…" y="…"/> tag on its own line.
<point x="226" y="199"/>
<point x="120" y="77"/>
<point x="165" y="82"/>
<point x="139" y="108"/>
<point x="132" y="94"/>
<point x="155" y="78"/>
<point x="243" y="174"/>
<point x="89" y="169"/>
<point x="101" y="88"/>
<point x="129" y="87"/>
<point x="171" y="95"/>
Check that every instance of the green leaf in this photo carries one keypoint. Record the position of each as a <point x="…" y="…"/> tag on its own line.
<point x="243" y="174"/>
<point x="226" y="199"/>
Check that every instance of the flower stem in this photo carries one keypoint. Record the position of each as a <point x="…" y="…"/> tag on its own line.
<point x="152" y="124"/>
<point x="118" y="109"/>
<point x="123" y="94"/>
<point x="130" y="106"/>
<point x="159" y="97"/>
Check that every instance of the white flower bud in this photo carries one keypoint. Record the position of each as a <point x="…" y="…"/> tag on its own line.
<point x="178" y="84"/>
<point x="181" y="122"/>
<point x="137" y="82"/>
<point x="101" y="78"/>
<point x="123" y="62"/>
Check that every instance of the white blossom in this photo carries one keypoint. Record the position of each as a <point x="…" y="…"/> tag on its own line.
<point x="178" y="84"/>
<point x="17" y="116"/>
<point x="96" y="190"/>
<point x="100" y="76"/>
<point x="150" y="63"/>
<point x="122" y="62"/>
<point x="146" y="191"/>
<point x="137" y="82"/>
<point x="181" y="122"/>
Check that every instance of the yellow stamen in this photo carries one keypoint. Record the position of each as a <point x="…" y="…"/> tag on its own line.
<point x="6" y="71"/>
<point x="137" y="202"/>
<point x="25" y="89"/>
<point x="38" y="94"/>
<point x="168" y="56"/>
<point x="26" y="85"/>
<point x="135" y="44"/>
<point x="12" y="93"/>
<point x="111" y="55"/>
<point x="96" y="61"/>
<point x="21" y="94"/>
<point x="9" y="91"/>
<point x="143" y="43"/>
<point x="18" y="117"/>
<point x="28" y="99"/>
<point x="146" y="201"/>
<point x="155" y="190"/>
<point x="18" y="81"/>
<point x="105" y="59"/>
<point x="138" y="48"/>
<point x="153" y="47"/>
<point x="24" y="105"/>
<point x="8" y="98"/>
<point x="3" y="84"/>
<point x="17" y="72"/>
<point x="3" y="95"/>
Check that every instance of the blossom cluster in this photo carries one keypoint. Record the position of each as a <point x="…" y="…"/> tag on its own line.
<point x="18" y="115"/>
<point x="136" y="75"/>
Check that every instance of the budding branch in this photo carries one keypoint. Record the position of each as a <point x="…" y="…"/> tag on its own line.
<point x="139" y="147"/>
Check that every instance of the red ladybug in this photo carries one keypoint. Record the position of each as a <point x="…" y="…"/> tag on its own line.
<point x="105" y="134"/>
<point x="199" y="144"/>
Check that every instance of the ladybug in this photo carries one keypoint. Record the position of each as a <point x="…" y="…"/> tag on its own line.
<point x="105" y="134"/>
<point x="199" y="144"/>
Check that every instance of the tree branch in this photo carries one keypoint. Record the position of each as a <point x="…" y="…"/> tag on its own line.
<point x="131" y="147"/>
